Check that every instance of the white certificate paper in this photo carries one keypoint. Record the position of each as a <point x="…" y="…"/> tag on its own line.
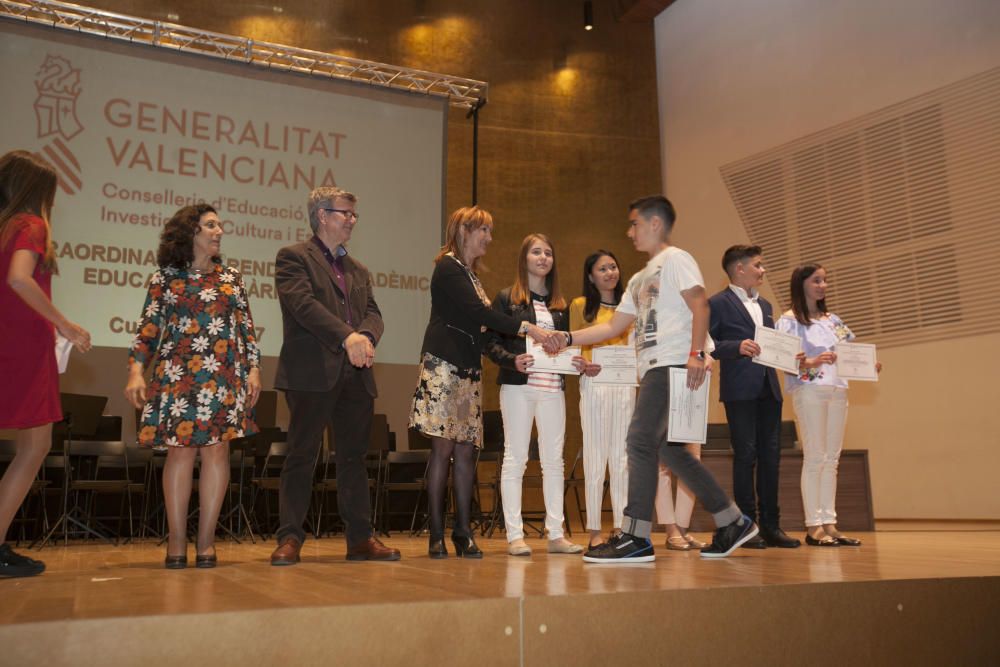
<point x="777" y="349"/>
<point x="618" y="365"/>
<point x="688" y="409"/>
<point x="856" y="361"/>
<point x="552" y="363"/>
<point x="63" y="348"/>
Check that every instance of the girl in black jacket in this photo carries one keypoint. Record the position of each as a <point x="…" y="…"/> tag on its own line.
<point x="527" y="397"/>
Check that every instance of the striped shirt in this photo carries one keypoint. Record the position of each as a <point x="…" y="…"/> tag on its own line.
<point x="544" y="381"/>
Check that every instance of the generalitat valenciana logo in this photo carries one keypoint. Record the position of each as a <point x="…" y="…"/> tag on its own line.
<point x="58" y="87"/>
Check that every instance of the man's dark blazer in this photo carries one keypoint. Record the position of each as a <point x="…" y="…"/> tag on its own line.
<point x="314" y="318"/>
<point x="729" y="324"/>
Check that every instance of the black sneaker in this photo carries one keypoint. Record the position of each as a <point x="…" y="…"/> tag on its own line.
<point x="622" y="548"/>
<point x="15" y="565"/>
<point x="728" y="538"/>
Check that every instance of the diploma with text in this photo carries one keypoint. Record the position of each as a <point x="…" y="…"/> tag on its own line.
<point x="552" y="363"/>
<point x="688" y="409"/>
<point x="777" y="349"/>
<point x="856" y="361"/>
<point x="618" y="365"/>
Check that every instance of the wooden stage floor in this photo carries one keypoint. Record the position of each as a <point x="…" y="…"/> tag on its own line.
<point x="91" y="581"/>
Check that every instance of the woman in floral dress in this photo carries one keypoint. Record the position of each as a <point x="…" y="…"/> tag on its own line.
<point x="820" y="400"/>
<point x="197" y="333"/>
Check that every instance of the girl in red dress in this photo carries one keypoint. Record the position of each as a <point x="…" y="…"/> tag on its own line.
<point x="29" y="392"/>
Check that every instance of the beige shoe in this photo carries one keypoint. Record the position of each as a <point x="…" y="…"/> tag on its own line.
<point x="678" y="543"/>
<point x="564" y="546"/>
<point x="518" y="548"/>
<point x="695" y="544"/>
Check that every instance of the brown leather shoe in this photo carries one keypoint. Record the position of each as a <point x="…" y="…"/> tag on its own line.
<point x="287" y="552"/>
<point x="372" y="549"/>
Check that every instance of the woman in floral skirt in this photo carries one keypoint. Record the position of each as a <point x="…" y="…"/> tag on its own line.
<point x="447" y="401"/>
<point x="197" y="333"/>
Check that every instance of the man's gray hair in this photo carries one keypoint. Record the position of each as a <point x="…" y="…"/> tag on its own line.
<point x="324" y="197"/>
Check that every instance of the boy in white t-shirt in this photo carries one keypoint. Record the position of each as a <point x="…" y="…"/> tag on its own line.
<point x="668" y="303"/>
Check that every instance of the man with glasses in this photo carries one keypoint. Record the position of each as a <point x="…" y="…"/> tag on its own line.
<point x="331" y="327"/>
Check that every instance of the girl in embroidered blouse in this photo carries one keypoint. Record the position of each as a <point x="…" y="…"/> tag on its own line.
<point x="197" y="333"/>
<point x="820" y="400"/>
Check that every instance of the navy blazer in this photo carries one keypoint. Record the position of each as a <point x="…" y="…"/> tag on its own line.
<point x="729" y="324"/>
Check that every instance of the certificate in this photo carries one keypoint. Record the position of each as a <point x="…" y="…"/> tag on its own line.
<point x="552" y="363"/>
<point x="856" y="361"/>
<point x="618" y="365"/>
<point x="63" y="348"/>
<point x="777" y="349"/>
<point x="688" y="409"/>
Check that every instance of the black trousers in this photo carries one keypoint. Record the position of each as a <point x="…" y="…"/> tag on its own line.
<point x="347" y="409"/>
<point x="755" y="429"/>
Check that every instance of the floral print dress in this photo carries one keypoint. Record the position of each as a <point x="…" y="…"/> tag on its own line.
<point x="197" y="332"/>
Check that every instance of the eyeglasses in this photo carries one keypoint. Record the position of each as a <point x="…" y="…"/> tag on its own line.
<point x="344" y="212"/>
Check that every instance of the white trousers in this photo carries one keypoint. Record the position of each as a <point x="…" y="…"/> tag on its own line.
<point x="605" y="413"/>
<point x="822" y="413"/>
<point x="521" y="406"/>
<point x="667" y="510"/>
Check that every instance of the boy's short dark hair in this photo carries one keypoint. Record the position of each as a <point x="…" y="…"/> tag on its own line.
<point x="736" y="254"/>
<point x="657" y="205"/>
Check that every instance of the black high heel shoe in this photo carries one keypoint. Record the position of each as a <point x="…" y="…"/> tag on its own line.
<point x="465" y="547"/>
<point x="436" y="549"/>
<point x="205" y="562"/>
<point x="175" y="562"/>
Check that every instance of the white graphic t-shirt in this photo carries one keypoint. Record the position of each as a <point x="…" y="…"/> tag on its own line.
<point x="662" y="318"/>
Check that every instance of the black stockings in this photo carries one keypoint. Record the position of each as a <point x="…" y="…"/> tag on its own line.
<point x="464" y="455"/>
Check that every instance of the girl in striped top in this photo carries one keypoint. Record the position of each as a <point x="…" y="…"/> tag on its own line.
<point x="528" y="398"/>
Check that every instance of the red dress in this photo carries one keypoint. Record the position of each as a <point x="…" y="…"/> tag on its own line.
<point x="29" y="377"/>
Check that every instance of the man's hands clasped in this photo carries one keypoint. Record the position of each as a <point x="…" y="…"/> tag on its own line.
<point x="360" y="350"/>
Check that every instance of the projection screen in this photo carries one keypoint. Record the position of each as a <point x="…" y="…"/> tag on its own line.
<point x="137" y="132"/>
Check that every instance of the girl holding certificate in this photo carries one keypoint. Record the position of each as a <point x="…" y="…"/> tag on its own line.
<point x="527" y="397"/>
<point x="820" y="400"/>
<point x="605" y="409"/>
<point x="29" y="395"/>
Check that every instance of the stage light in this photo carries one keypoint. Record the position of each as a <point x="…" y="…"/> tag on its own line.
<point x="588" y="14"/>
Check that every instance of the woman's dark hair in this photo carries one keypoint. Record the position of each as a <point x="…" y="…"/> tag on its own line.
<point x="591" y="295"/>
<point x="798" y="291"/>
<point x="27" y="185"/>
<point x="177" y="239"/>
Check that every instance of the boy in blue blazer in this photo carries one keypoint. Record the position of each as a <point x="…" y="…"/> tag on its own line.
<point x="750" y="392"/>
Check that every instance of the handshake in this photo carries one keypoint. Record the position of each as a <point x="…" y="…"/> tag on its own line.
<point x="552" y="342"/>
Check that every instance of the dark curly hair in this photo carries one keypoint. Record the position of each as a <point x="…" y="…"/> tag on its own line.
<point x="177" y="239"/>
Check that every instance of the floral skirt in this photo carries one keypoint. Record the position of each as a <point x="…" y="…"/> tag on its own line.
<point x="447" y="403"/>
